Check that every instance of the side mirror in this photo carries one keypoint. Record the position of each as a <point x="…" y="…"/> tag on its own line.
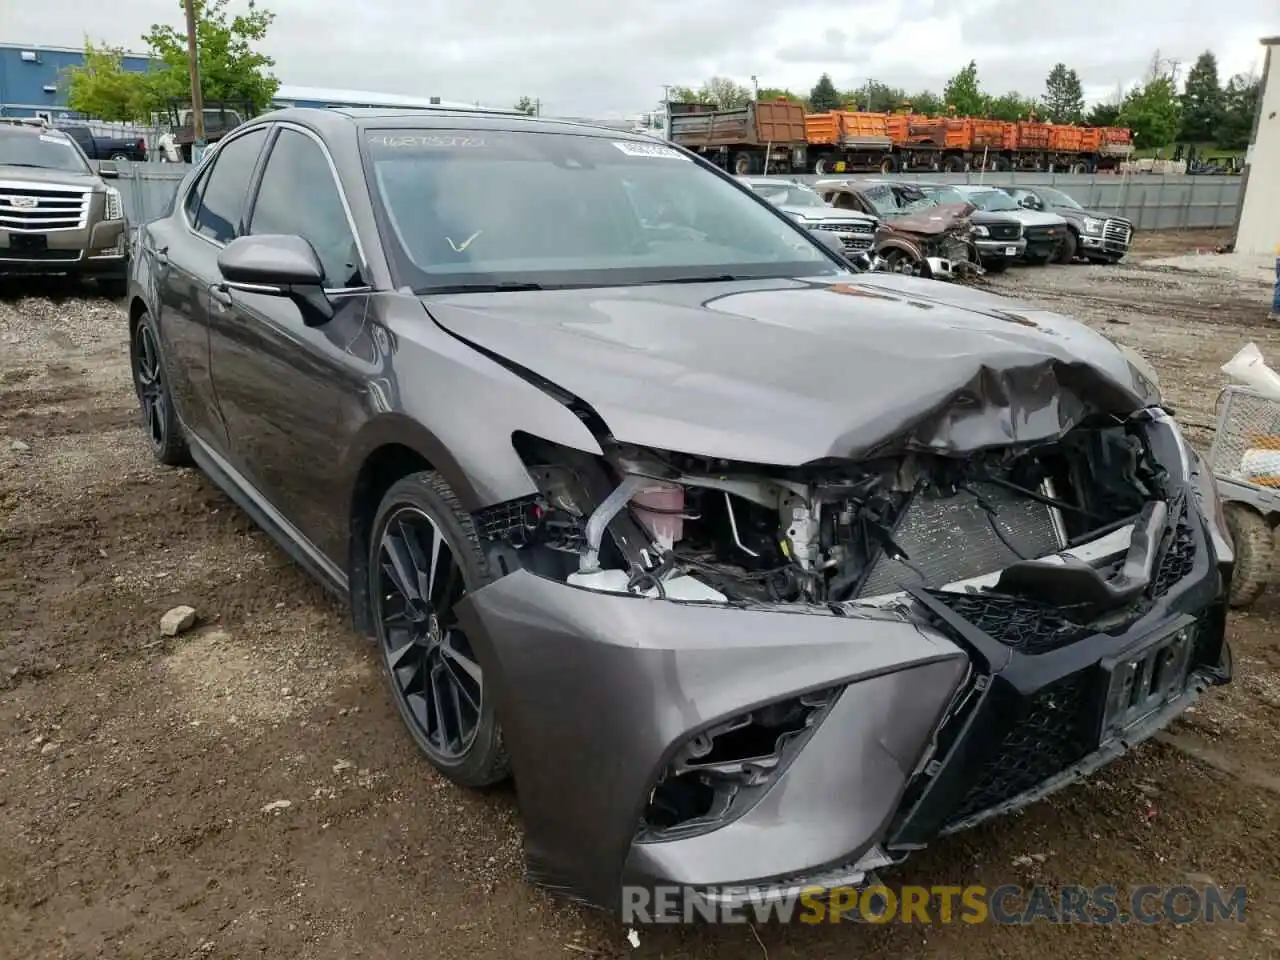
<point x="108" y="170"/>
<point x="1030" y="202"/>
<point x="278" y="265"/>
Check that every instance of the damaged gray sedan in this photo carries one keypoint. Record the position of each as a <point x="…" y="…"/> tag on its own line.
<point x="754" y="572"/>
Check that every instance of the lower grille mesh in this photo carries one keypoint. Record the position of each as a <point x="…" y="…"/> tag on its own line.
<point x="1057" y="730"/>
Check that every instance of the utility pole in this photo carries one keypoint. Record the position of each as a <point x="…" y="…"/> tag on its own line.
<point x="197" y="98"/>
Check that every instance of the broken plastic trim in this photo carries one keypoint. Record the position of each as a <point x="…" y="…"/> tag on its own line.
<point x="1080" y="585"/>
<point x="716" y="774"/>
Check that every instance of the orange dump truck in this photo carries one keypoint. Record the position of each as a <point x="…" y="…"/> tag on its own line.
<point x="766" y="136"/>
<point x="841" y="140"/>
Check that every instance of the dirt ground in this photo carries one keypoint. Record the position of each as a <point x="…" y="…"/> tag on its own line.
<point x="134" y="770"/>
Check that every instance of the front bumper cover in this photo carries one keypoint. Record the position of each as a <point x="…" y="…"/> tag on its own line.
<point x="596" y="691"/>
<point x="954" y="709"/>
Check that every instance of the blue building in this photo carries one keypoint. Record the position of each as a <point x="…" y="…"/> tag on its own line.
<point x="30" y="75"/>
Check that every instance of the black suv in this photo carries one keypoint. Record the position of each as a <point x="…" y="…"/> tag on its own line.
<point x="1096" y="236"/>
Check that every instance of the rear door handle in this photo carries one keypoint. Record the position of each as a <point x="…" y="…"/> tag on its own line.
<point x="220" y="295"/>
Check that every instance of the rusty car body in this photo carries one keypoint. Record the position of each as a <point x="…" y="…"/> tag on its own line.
<point x="933" y="241"/>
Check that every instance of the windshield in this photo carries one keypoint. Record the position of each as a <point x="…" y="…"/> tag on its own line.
<point x="479" y="209"/>
<point x="24" y="148"/>
<point x="788" y="195"/>
<point x="1056" y="198"/>
<point x="944" y="195"/>
<point x="993" y="200"/>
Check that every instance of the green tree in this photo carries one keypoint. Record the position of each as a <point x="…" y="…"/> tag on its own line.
<point x="686" y="95"/>
<point x="102" y="88"/>
<point x="1010" y="106"/>
<point x="721" y="91"/>
<point x="727" y="93"/>
<point x="824" y="95"/>
<point x="230" y="68"/>
<point x="526" y="106"/>
<point x="1103" y="115"/>
<point x="1063" y="96"/>
<point x="1239" y="105"/>
<point x="875" y="97"/>
<point x="1202" y="100"/>
<point x="926" y="102"/>
<point x="1152" y="112"/>
<point x="963" y="93"/>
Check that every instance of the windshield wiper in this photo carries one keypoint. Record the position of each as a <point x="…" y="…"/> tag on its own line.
<point x="710" y="278"/>
<point x="504" y="287"/>
<point x="16" y="163"/>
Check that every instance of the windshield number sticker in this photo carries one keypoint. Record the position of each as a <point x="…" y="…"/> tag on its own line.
<point x="48" y="139"/>
<point x="655" y="151"/>
<point x="428" y="140"/>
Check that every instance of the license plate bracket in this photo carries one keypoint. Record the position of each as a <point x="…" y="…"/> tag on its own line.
<point x="1010" y="251"/>
<point x="28" y="241"/>
<point x="1146" y="677"/>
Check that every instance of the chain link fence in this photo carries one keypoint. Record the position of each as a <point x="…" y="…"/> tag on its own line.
<point x="1150" y="202"/>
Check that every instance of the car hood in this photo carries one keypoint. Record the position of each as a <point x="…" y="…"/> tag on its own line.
<point x="1037" y="218"/>
<point x="46" y="175"/>
<point x="1096" y="214"/>
<point x="827" y="215"/>
<point x="933" y="220"/>
<point x="789" y="371"/>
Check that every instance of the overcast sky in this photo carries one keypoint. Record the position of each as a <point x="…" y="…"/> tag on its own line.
<point x="596" y="58"/>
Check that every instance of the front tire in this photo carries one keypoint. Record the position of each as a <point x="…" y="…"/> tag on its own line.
<point x="1067" y="252"/>
<point x="150" y="381"/>
<point x="424" y="558"/>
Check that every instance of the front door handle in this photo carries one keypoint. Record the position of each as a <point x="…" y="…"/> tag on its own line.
<point x="220" y="296"/>
<point x="161" y="257"/>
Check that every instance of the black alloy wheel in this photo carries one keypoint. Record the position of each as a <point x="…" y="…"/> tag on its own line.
<point x="159" y="421"/>
<point x="423" y="562"/>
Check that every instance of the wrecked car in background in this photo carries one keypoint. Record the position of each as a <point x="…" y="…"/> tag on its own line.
<point x="855" y="229"/>
<point x="755" y="572"/>
<point x="927" y="239"/>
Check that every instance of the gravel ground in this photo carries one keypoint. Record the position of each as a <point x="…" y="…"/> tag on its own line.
<point x="143" y="778"/>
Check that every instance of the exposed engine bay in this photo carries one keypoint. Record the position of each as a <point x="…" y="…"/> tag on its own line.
<point x="687" y="528"/>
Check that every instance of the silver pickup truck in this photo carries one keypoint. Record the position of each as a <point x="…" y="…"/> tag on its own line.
<point x="57" y="215"/>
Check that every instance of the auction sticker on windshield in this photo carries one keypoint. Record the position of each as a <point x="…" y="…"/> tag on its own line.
<point x="655" y="150"/>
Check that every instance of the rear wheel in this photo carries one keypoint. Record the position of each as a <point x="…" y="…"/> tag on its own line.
<point x="118" y="157"/>
<point x="743" y="164"/>
<point x="159" y="421"/>
<point x="424" y="558"/>
<point x="889" y="165"/>
<point x="1254" y="547"/>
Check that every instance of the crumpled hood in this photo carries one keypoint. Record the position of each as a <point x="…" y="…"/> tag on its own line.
<point x="933" y="220"/>
<point x="789" y="371"/>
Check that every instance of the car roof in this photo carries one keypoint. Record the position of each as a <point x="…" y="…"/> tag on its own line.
<point x="332" y="119"/>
